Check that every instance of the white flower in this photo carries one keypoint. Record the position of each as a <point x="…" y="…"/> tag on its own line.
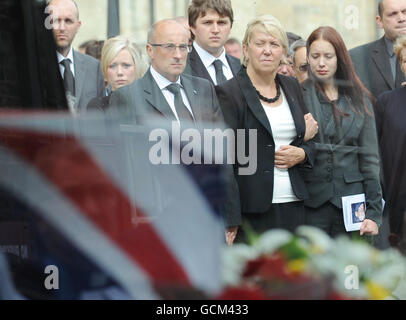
<point x="356" y="253"/>
<point x="319" y="240"/>
<point x="359" y="270"/>
<point x="389" y="270"/>
<point x="272" y="240"/>
<point x="400" y="290"/>
<point x="235" y="259"/>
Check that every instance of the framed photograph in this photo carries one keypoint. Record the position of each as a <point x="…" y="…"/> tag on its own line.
<point x="354" y="208"/>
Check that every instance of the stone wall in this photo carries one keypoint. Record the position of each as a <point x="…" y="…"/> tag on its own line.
<point x="354" y="19"/>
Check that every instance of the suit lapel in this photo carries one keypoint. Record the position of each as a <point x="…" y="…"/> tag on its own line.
<point x="315" y="102"/>
<point x="192" y="94"/>
<point x="381" y="59"/>
<point x="234" y="64"/>
<point x="155" y="97"/>
<point x="80" y="74"/>
<point x="197" y="66"/>
<point x="347" y="122"/>
<point x="252" y="99"/>
<point x="330" y="126"/>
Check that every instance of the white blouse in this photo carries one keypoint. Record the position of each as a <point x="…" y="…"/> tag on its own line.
<point x="283" y="131"/>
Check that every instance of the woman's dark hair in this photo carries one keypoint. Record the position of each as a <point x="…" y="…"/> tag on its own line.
<point x="346" y="78"/>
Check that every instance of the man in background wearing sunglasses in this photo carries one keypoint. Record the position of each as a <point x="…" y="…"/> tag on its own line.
<point x="300" y="66"/>
<point x="298" y="54"/>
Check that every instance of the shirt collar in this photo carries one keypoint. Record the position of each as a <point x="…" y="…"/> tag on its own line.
<point x="161" y="81"/>
<point x="389" y="47"/>
<point x="69" y="56"/>
<point x="207" y="58"/>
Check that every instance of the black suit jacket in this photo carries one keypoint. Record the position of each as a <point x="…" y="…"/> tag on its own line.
<point x="99" y="104"/>
<point x="347" y="161"/>
<point x="89" y="81"/>
<point x="391" y="127"/>
<point x="143" y="99"/>
<point x="195" y="66"/>
<point x="242" y="109"/>
<point x="371" y="62"/>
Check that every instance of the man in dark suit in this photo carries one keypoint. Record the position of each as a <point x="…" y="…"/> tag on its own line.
<point x="82" y="74"/>
<point x="390" y="118"/>
<point x="391" y="127"/>
<point x="375" y="62"/>
<point x="210" y="22"/>
<point x="379" y="70"/>
<point x="167" y="93"/>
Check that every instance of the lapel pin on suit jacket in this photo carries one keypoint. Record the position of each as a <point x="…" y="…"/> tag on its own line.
<point x="194" y="91"/>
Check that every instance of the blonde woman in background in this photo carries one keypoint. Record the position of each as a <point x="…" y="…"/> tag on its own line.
<point x="123" y="62"/>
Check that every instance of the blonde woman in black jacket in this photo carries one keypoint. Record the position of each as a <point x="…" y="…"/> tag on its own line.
<point x="259" y="100"/>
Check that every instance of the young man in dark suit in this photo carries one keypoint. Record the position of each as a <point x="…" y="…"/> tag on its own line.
<point x="375" y="62"/>
<point x="82" y="74"/>
<point x="210" y="23"/>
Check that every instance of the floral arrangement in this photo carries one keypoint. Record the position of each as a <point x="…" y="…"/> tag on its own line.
<point x="311" y="265"/>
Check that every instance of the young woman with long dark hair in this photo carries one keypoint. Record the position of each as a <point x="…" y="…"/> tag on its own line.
<point x="347" y="161"/>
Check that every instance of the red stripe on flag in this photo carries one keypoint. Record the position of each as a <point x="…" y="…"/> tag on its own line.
<point x="66" y="163"/>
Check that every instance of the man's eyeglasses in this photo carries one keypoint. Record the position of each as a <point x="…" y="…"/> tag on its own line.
<point x="170" y="47"/>
<point x="304" y="67"/>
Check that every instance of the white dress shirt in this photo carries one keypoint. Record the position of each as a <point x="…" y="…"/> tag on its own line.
<point x="208" y="60"/>
<point x="162" y="83"/>
<point x="70" y="57"/>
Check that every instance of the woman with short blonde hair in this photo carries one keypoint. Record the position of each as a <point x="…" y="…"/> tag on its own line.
<point x="114" y="45"/>
<point x="122" y="62"/>
<point x="269" y="25"/>
<point x="400" y="44"/>
<point x="260" y="100"/>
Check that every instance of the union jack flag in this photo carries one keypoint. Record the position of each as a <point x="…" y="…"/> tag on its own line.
<point x="91" y="204"/>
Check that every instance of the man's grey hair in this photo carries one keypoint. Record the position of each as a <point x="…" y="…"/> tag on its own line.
<point x="151" y="33"/>
<point x="295" y="46"/>
<point x="380" y="8"/>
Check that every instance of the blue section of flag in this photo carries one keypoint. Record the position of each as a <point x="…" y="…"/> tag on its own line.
<point x="41" y="245"/>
